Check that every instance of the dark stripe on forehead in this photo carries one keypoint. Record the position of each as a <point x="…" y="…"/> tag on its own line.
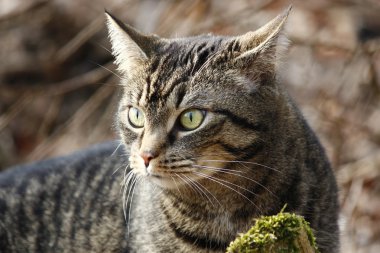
<point x="170" y="63"/>
<point x="186" y="58"/>
<point x="154" y="65"/>
<point x="196" y="49"/>
<point x="139" y="94"/>
<point x="233" y="46"/>
<point x="202" y="54"/>
<point x="236" y="46"/>
<point x="180" y="95"/>
<point x="201" y="59"/>
<point x="201" y="46"/>
<point x="148" y="81"/>
<point x="156" y="77"/>
<point x="173" y="85"/>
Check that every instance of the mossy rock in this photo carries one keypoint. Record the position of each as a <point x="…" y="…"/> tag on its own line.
<point x="281" y="233"/>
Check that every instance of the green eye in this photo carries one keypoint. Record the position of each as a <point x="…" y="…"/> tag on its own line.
<point x="136" y="117"/>
<point x="191" y="119"/>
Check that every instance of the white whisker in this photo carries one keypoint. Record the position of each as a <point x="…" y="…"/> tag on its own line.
<point x="235" y="174"/>
<point x="189" y="183"/>
<point x="176" y="185"/>
<point x="216" y="180"/>
<point x="204" y="187"/>
<point x="118" y="146"/>
<point x="103" y="67"/>
<point x="200" y="189"/>
<point x="113" y="173"/>
<point x="243" y="162"/>
<point x="130" y="205"/>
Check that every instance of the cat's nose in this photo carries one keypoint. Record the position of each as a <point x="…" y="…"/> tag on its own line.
<point x="147" y="156"/>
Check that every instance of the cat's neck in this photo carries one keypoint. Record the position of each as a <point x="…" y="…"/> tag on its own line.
<point x="195" y="214"/>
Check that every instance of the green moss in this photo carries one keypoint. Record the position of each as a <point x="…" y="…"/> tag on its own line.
<point x="278" y="233"/>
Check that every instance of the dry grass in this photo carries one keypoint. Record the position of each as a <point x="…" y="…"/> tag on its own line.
<point x="57" y="82"/>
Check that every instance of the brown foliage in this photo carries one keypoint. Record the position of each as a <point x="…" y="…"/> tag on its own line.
<point x="57" y="82"/>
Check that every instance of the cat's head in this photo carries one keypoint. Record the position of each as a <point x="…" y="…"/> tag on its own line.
<point x="191" y="107"/>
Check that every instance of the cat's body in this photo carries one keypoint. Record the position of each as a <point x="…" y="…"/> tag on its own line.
<point x="213" y="141"/>
<point x="69" y="204"/>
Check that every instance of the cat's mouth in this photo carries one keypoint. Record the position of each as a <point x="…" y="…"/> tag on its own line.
<point x="176" y="178"/>
<point x="173" y="174"/>
<point x="165" y="172"/>
<point x="170" y="179"/>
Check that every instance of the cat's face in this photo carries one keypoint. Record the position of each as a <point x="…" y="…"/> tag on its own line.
<point x="192" y="107"/>
<point x="177" y="123"/>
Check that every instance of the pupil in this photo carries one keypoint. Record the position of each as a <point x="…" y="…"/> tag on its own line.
<point x="191" y="116"/>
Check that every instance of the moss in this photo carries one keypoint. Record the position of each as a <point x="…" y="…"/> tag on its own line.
<point x="285" y="232"/>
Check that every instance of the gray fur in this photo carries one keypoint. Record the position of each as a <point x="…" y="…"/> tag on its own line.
<point x="252" y="154"/>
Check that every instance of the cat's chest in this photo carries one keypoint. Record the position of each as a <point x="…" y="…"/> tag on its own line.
<point x="150" y="230"/>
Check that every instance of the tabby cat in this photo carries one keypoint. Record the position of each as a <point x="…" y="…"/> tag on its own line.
<point x="209" y="141"/>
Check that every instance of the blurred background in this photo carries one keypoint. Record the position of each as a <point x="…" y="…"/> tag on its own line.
<point x="58" y="87"/>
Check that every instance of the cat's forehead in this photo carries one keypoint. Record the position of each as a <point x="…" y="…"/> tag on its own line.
<point x="170" y="74"/>
<point x="187" y="54"/>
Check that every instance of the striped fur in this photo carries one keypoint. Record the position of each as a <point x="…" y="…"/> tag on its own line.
<point x="252" y="154"/>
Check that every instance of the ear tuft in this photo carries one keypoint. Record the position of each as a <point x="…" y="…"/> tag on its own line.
<point x="266" y="44"/>
<point x="130" y="48"/>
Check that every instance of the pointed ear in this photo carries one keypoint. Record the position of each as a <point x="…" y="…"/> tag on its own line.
<point x="130" y="47"/>
<point x="260" y="50"/>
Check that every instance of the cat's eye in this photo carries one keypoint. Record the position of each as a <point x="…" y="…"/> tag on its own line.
<point x="136" y="117"/>
<point x="191" y="119"/>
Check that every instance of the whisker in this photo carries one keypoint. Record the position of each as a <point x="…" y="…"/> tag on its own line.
<point x="100" y="45"/>
<point x="130" y="205"/>
<point x="103" y="67"/>
<point x="127" y="198"/>
<point x="205" y="188"/>
<point x="176" y="185"/>
<point x="126" y="186"/>
<point x="204" y="65"/>
<point x="187" y="183"/>
<point x="125" y="177"/>
<point x="157" y="190"/>
<point x="238" y="186"/>
<point x="235" y="174"/>
<point x="118" y="168"/>
<point x="243" y="162"/>
<point x="118" y="146"/>
<point x="190" y="184"/>
<point x="227" y="186"/>
<point x="200" y="189"/>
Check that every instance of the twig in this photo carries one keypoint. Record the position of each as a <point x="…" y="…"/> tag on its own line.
<point x="73" y="124"/>
<point x="79" y="40"/>
<point x="88" y="78"/>
<point x="17" y="107"/>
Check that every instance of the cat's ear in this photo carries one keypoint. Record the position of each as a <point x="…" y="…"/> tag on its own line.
<point x="260" y="50"/>
<point x="130" y="47"/>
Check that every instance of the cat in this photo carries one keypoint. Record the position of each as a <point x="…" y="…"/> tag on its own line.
<point x="210" y="140"/>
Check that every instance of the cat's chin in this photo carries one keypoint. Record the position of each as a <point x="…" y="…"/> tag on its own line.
<point x="166" y="181"/>
<point x="163" y="182"/>
<point x="175" y="181"/>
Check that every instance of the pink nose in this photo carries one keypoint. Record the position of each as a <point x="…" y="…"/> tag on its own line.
<point x="147" y="157"/>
